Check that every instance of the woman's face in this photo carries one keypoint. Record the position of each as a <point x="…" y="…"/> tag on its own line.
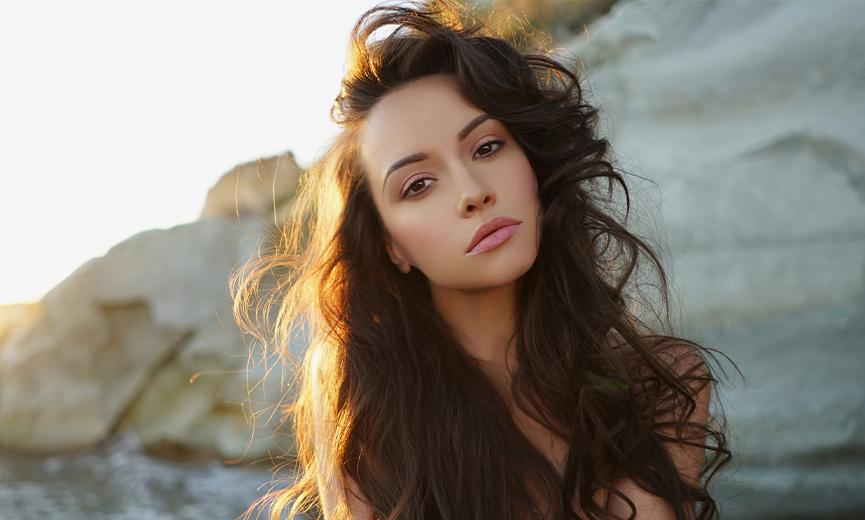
<point x="457" y="195"/>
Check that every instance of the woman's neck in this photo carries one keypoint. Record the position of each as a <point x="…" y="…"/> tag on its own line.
<point x="483" y="321"/>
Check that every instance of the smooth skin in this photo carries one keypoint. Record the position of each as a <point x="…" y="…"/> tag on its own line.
<point x="465" y="170"/>
<point x="438" y="169"/>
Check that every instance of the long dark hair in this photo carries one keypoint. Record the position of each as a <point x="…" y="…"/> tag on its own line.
<point x="416" y="423"/>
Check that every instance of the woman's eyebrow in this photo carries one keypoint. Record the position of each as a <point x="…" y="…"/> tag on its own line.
<point x="472" y="125"/>
<point x="413" y="158"/>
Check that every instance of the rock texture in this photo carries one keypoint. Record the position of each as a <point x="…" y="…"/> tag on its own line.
<point x="18" y="319"/>
<point x="748" y="116"/>
<point x="143" y="340"/>
<point x="799" y="423"/>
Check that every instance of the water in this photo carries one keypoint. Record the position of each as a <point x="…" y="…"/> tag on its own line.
<point x="118" y="481"/>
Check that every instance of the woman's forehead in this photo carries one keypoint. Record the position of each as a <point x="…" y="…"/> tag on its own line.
<point x="426" y="112"/>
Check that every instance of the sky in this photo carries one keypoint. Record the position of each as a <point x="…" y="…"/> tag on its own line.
<point x="117" y="117"/>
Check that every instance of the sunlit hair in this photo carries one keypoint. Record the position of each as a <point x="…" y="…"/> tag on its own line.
<point x="417" y="424"/>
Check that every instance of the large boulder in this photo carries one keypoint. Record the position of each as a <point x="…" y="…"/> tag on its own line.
<point x="141" y="340"/>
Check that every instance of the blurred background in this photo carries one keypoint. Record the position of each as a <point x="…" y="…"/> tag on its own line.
<point x="146" y="147"/>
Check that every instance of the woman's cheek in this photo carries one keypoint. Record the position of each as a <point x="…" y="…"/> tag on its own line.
<point x="422" y="239"/>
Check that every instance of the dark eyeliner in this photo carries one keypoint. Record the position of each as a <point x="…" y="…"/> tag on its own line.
<point x="404" y="194"/>
<point x="500" y="142"/>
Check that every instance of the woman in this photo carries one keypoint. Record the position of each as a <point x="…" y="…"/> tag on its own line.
<point x="483" y="346"/>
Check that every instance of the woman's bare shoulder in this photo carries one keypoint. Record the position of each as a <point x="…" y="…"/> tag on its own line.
<point x="682" y="415"/>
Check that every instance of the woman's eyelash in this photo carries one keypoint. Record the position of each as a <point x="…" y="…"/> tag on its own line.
<point x="408" y="193"/>
<point x="498" y="143"/>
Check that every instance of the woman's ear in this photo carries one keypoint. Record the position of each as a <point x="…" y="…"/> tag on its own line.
<point x="396" y="255"/>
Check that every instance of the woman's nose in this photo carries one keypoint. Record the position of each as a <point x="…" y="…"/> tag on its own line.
<point x="475" y="195"/>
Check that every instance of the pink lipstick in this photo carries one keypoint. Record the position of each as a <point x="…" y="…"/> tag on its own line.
<point x="493" y="234"/>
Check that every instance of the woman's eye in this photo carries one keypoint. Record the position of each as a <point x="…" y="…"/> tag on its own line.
<point x="489" y="148"/>
<point x="416" y="187"/>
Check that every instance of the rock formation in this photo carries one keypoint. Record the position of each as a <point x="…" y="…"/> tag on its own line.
<point x="143" y="340"/>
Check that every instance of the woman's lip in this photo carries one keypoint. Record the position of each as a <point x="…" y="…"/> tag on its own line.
<point x="493" y="234"/>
